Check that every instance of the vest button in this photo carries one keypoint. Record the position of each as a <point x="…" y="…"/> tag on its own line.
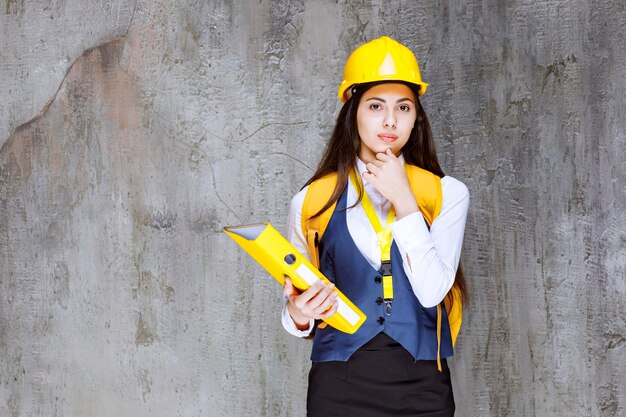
<point x="379" y="300"/>
<point x="381" y="320"/>
<point x="378" y="279"/>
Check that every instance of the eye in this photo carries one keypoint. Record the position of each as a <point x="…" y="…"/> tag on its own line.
<point x="375" y="106"/>
<point x="404" y="107"/>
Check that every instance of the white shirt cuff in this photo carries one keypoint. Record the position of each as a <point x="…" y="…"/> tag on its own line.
<point x="290" y="326"/>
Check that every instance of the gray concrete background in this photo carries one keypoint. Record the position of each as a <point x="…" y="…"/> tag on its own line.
<point x="131" y="132"/>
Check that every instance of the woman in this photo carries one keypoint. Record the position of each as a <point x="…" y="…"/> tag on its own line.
<point x="389" y="367"/>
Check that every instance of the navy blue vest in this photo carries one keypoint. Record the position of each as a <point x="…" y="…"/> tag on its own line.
<point x="410" y="324"/>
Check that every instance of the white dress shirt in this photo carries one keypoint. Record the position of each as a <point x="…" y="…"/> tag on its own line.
<point x="430" y="258"/>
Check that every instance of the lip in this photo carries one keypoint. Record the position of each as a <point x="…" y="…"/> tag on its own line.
<point x="387" y="137"/>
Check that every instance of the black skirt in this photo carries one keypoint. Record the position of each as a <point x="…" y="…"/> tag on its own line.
<point x="380" y="379"/>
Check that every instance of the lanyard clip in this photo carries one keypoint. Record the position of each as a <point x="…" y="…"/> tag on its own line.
<point x="387" y="285"/>
<point x="386" y="268"/>
<point x="388" y="306"/>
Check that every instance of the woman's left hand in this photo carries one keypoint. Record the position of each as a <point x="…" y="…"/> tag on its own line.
<point x="388" y="176"/>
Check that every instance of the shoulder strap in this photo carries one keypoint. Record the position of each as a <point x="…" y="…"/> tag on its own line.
<point x="426" y="188"/>
<point x="454" y="308"/>
<point x="316" y="197"/>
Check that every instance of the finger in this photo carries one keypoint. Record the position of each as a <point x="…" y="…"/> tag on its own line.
<point x="320" y="297"/>
<point x="307" y="295"/>
<point x="378" y="162"/>
<point x="386" y="156"/>
<point x="373" y="168"/>
<point x="390" y="153"/>
<point x="370" y="178"/>
<point x="313" y="306"/>
<point x="288" y="288"/>
<point x="327" y="303"/>
<point x="330" y="312"/>
<point x="327" y="290"/>
<point x="315" y="303"/>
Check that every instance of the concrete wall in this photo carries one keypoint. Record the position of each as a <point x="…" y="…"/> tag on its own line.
<point x="130" y="133"/>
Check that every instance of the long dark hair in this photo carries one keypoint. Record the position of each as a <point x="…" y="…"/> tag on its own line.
<point x="344" y="146"/>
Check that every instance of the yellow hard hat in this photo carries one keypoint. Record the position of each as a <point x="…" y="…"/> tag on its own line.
<point x="379" y="60"/>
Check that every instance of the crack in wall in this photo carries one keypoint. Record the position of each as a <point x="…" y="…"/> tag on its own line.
<point x="263" y="126"/>
<point x="52" y="99"/>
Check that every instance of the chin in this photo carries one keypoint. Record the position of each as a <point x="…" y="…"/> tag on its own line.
<point x="391" y="146"/>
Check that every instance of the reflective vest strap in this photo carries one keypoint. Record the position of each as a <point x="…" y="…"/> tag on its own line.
<point x="439" y="314"/>
<point x="315" y="199"/>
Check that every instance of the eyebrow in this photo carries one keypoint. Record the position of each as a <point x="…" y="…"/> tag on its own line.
<point x="384" y="101"/>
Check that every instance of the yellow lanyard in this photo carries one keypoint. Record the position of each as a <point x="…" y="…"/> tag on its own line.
<point x="384" y="240"/>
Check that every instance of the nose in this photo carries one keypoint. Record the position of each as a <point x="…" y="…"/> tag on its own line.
<point x="390" y="121"/>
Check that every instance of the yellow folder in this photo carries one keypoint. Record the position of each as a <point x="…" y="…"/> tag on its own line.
<point x="270" y="249"/>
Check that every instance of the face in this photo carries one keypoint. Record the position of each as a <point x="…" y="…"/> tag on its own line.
<point x="385" y="118"/>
